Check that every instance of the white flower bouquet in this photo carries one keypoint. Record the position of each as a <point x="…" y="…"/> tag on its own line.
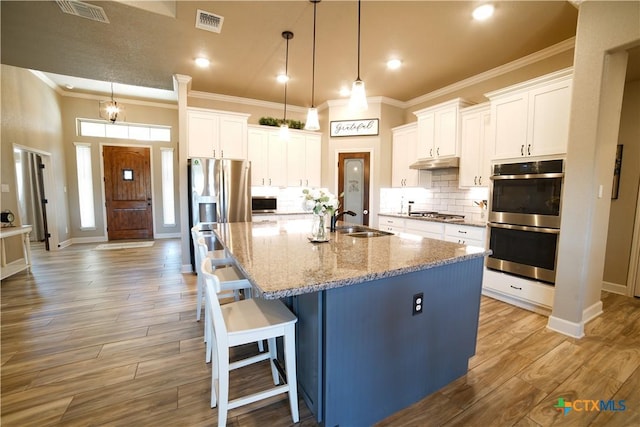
<point x="319" y="202"/>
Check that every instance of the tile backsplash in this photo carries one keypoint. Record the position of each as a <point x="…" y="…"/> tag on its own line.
<point x="289" y="198"/>
<point x="443" y="196"/>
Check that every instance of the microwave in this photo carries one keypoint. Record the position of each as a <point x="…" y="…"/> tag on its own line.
<point x="264" y="204"/>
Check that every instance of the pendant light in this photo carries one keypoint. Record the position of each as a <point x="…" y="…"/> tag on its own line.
<point x="284" y="127"/>
<point x="109" y="110"/>
<point x="312" y="115"/>
<point x="358" y="101"/>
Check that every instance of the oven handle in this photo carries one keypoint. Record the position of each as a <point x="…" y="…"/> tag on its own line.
<point x="528" y="176"/>
<point x="525" y="228"/>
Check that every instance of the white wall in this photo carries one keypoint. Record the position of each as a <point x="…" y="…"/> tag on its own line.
<point x="623" y="209"/>
<point x="603" y="29"/>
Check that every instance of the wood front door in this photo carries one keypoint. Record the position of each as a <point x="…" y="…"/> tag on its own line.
<point x="127" y="185"/>
<point x="353" y="184"/>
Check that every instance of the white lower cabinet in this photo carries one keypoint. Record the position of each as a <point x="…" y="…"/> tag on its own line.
<point x="391" y="224"/>
<point x="464" y="234"/>
<point x="529" y="294"/>
<point x="430" y="229"/>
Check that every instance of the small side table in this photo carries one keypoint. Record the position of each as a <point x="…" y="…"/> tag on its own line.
<point x="22" y="263"/>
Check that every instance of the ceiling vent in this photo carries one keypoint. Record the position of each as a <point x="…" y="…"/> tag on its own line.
<point x="209" y="21"/>
<point x="83" y="10"/>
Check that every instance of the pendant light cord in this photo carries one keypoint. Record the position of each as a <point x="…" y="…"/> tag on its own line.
<point x="358" y="40"/>
<point x="286" y="73"/>
<point x="313" y="66"/>
<point x="287" y="36"/>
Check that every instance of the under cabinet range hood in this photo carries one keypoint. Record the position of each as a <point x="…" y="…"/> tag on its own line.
<point x="440" y="163"/>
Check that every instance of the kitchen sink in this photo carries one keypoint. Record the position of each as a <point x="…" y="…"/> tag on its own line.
<point x="370" y="233"/>
<point x="349" y="229"/>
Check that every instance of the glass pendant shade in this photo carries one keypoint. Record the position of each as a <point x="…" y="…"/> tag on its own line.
<point x="284" y="132"/>
<point x="358" y="101"/>
<point x="312" y="120"/>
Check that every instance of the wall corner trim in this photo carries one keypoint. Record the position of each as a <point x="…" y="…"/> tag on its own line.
<point x="575" y="329"/>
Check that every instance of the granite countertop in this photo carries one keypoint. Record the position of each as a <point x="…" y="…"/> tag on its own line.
<point x="420" y="218"/>
<point x="279" y="260"/>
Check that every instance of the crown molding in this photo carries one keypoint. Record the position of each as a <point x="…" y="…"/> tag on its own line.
<point x="244" y="101"/>
<point x="57" y="89"/>
<point x="496" y="72"/>
<point x="371" y="100"/>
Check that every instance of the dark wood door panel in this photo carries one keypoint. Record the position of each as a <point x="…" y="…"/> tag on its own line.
<point x="128" y="192"/>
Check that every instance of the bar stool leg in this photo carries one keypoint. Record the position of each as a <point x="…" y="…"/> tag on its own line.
<point x="290" y="363"/>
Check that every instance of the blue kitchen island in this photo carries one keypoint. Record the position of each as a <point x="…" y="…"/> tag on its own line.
<point x="365" y="350"/>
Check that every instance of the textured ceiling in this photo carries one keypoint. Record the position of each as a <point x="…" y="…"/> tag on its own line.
<point x="438" y="43"/>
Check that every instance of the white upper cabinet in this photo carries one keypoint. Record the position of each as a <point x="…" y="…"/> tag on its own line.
<point x="475" y="164"/>
<point x="216" y="134"/>
<point x="532" y="118"/>
<point x="278" y="163"/>
<point x="268" y="156"/>
<point x="439" y="130"/>
<point x="404" y="147"/>
<point x="303" y="159"/>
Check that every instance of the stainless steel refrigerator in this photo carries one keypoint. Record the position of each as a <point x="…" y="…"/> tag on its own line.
<point x="219" y="191"/>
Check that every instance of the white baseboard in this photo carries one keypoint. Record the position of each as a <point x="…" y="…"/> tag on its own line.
<point x="614" y="288"/>
<point x="536" y="308"/>
<point x="93" y="239"/>
<point x="590" y="313"/>
<point x="167" y="236"/>
<point x="565" y="327"/>
<point x="64" y="244"/>
<point x="575" y="329"/>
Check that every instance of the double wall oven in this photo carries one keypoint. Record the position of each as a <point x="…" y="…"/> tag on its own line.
<point x="524" y="218"/>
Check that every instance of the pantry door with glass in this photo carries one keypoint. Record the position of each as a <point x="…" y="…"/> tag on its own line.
<point x="353" y="184"/>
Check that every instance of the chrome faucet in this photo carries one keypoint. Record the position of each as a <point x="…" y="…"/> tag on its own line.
<point x="337" y="215"/>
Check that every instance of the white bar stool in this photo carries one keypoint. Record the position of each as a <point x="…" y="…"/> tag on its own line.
<point x="231" y="281"/>
<point x="220" y="258"/>
<point x="243" y="322"/>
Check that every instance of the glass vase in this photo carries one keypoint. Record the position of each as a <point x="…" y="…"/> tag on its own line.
<point x="319" y="228"/>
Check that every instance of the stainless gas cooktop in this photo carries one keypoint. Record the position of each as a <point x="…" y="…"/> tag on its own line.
<point x="438" y="216"/>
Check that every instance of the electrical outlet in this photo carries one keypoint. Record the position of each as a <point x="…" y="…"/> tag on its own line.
<point x="417" y="303"/>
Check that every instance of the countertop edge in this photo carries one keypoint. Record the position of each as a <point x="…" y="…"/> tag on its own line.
<point x="359" y="279"/>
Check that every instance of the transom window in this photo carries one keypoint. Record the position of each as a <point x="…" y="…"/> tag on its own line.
<point x="135" y="131"/>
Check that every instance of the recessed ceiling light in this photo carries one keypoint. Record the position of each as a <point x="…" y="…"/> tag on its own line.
<point x="202" y="62"/>
<point x="483" y="12"/>
<point x="282" y="78"/>
<point x="394" y="64"/>
<point x="69" y="86"/>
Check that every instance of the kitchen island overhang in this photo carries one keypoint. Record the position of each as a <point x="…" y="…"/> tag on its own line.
<point x="362" y="352"/>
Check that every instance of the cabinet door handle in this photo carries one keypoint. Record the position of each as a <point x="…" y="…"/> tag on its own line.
<point x="431" y="152"/>
<point x="479" y="180"/>
<point x="516" y="287"/>
<point x="438" y="151"/>
<point x="462" y="232"/>
<point x="307" y="183"/>
<point x="300" y="183"/>
<point x="214" y="153"/>
<point x="528" y="149"/>
<point x="269" y="181"/>
<point x="475" y="180"/>
<point x="522" y="150"/>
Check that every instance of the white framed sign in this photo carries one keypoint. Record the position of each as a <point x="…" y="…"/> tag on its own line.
<point x="364" y="127"/>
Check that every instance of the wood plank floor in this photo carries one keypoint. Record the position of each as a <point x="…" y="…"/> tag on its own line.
<point x="109" y="338"/>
